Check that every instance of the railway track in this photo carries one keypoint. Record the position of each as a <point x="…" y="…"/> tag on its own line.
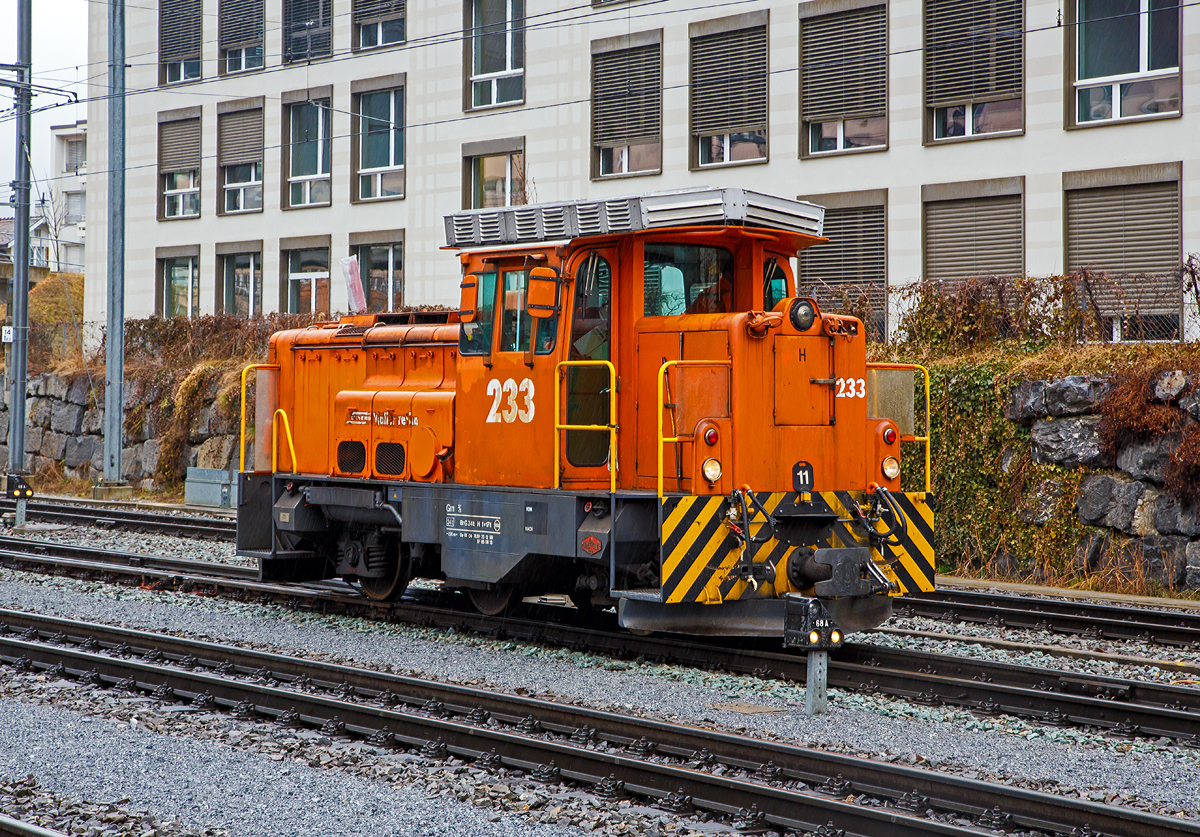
<point x="10" y="827"/>
<point x="136" y="520"/>
<point x="758" y="784"/>
<point x="1176" y="628"/>
<point x="1123" y="707"/>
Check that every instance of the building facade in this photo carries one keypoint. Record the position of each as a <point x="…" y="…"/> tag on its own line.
<point x="59" y="227"/>
<point x="268" y="140"/>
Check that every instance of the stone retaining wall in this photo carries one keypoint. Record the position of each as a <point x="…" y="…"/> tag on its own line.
<point x="1131" y="522"/>
<point x="65" y="424"/>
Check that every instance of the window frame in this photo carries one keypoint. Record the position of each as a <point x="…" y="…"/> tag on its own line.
<point x="395" y="249"/>
<point x="470" y="78"/>
<point x="1073" y="84"/>
<point x="228" y="186"/>
<point x="472" y="172"/>
<point x="378" y="25"/>
<point x="324" y="155"/>
<point x="728" y="26"/>
<point x="167" y="194"/>
<point x="359" y="132"/>
<point x="193" y="303"/>
<point x="607" y="47"/>
<point x="291" y="277"/>
<point x="227" y="58"/>
<point x="226" y="290"/>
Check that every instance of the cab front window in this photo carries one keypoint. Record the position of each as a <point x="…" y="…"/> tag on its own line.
<point x="687" y="279"/>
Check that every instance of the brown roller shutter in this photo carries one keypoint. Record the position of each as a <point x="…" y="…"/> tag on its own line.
<point x="974" y="237"/>
<point x="627" y="96"/>
<point x="851" y="264"/>
<point x="307" y="29"/>
<point x="179" y="30"/>
<point x="369" y="10"/>
<point x="240" y="23"/>
<point x="729" y="82"/>
<point x="179" y="145"/>
<point x="240" y="138"/>
<point x="974" y="51"/>
<point x="844" y="65"/>
<point x="1131" y="233"/>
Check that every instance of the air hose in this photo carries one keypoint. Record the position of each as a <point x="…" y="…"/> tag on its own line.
<point x="895" y="534"/>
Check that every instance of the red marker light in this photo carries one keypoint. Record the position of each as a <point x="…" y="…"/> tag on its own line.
<point x="710" y="436"/>
<point x="889" y="435"/>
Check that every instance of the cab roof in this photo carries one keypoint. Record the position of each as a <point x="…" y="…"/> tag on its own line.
<point x="566" y="221"/>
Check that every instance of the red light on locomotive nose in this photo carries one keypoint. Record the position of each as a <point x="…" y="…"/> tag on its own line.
<point x="889" y="435"/>
<point x="710" y="436"/>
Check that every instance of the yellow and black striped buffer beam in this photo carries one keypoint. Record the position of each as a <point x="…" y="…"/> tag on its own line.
<point x="698" y="549"/>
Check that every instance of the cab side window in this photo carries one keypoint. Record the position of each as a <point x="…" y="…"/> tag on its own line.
<point x="475" y="338"/>
<point x="776" y="284"/>
<point x="686" y="279"/>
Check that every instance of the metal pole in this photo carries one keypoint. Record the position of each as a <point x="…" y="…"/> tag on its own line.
<point x="21" y="187"/>
<point x="816" y="695"/>
<point x="114" y="357"/>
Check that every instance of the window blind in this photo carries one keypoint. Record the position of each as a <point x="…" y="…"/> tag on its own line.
<point x="240" y="23"/>
<point x="76" y="155"/>
<point x="974" y="51"/>
<point x="627" y="96"/>
<point x="240" y="137"/>
<point x="179" y="30"/>
<point x="307" y="29"/>
<point x="851" y="263"/>
<point x="369" y="10"/>
<point x="179" y="145"/>
<point x="729" y="82"/>
<point x="1132" y="232"/>
<point x="973" y="238"/>
<point x="843" y="65"/>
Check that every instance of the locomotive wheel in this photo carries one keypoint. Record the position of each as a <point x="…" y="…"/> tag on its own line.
<point x="494" y="601"/>
<point x="391" y="585"/>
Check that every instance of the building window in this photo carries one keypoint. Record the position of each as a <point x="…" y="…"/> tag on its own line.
<point x="240" y="159"/>
<point x="181" y="287"/>
<point x="498" y="52"/>
<point x="308" y="281"/>
<point x="242" y="291"/>
<point x="382" y="269"/>
<point x="1127" y="240"/>
<point x="181" y="194"/>
<point x="240" y="35"/>
<point x="75" y="207"/>
<point x="497" y="180"/>
<point x="1127" y="59"/>
<point x="729" y="97"/>
<point x="307" y="30"/>
<point x="843" y="85"/>
<point x="308" y="180"/>
<point x="180" y="28"/>
<point x="974" y="67"/>
<point x="627" y="110"/>
<point x="243" y="188"/>
<point x="379" y="22"/>
<point x="179" y="168"/>
<point x="76" y="155"/>
<point x="974" y="238"/>
<point x="381" y="144"/>
<point x="847" y="273"/>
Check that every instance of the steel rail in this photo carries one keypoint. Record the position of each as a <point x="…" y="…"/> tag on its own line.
<point x="11" y="827"/>
<point x="1179" y="628"/>
<point x="1041" y="695"/>
<point x="24" y="549"/>
<point x="130" y="519"/>
<point x="283" y="683"/>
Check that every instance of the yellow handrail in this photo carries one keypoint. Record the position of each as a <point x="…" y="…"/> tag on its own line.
<point x="662" y="379"/>
<point x="611" y="427"/>
<point x="245" y="372"/>
<point x="928" y="436"/>
<point x="280" y="414"/>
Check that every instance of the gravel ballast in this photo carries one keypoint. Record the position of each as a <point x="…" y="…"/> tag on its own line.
<point x="1151" y="774"/>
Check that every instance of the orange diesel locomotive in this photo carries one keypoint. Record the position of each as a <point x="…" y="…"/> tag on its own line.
<point x="632" y="407"/>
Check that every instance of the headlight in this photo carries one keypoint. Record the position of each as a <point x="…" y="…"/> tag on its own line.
<point x="891" y="467"/>
<point x="712" y="470"/>
<point x="802" y="314"/>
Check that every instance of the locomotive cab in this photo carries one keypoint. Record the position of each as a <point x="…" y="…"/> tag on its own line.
<point x="632" y="407"/>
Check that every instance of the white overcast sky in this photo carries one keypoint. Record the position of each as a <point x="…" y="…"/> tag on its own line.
<point x="60" y="31"/>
